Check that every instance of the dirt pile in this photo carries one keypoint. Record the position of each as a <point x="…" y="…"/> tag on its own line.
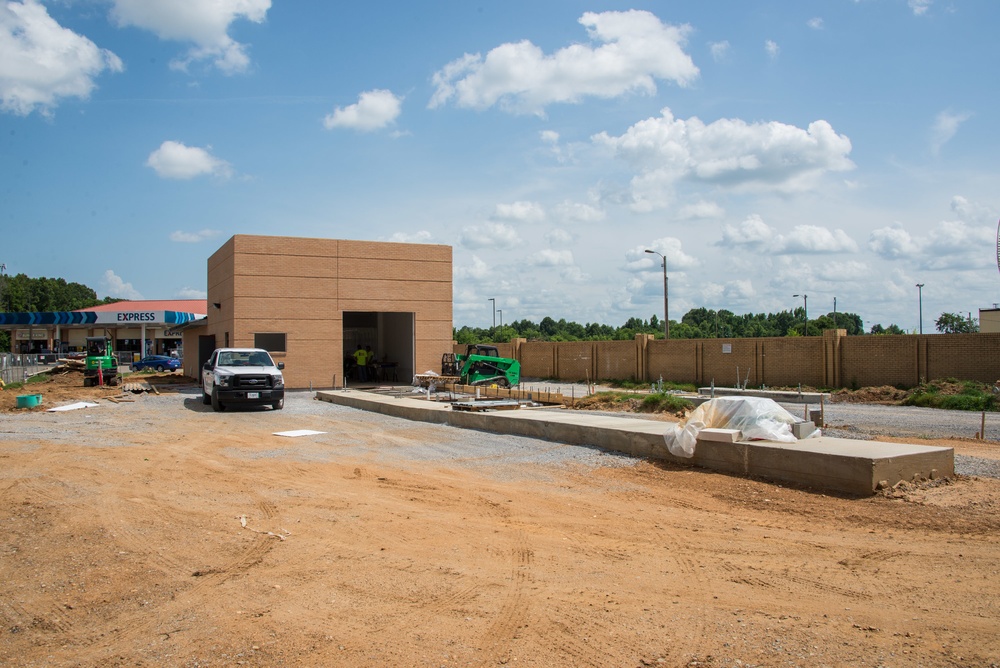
<point x="885" y="394"/>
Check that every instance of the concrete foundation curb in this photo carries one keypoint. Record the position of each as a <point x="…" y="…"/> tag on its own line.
<point x="834" y="464"/>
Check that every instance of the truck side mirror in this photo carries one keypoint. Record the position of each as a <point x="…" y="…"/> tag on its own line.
<point x="281" y="365"/>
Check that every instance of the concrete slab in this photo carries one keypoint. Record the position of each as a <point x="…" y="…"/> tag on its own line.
<point x="834" y="464"/>
<point x="782" y="396"/>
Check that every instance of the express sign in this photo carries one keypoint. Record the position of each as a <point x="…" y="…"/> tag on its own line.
<point x="137" y="316"/>
<point x="129" y="317"/>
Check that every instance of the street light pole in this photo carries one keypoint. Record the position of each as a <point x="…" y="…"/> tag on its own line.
<point x="920" y="300"/>
<point x="493" y="332"/>
<point x="666" y="310"/>
<point x="805" y="310"/>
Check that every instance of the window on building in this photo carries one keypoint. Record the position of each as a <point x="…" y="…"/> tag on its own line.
<point x="273" y="342"/>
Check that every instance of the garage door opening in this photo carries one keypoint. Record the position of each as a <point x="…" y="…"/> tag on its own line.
<point x="391" y="337"/>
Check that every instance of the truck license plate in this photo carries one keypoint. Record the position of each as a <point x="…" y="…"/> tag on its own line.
<point x="253" y="395"/>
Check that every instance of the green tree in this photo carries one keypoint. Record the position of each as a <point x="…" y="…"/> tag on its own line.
<point x="954" y="323"/>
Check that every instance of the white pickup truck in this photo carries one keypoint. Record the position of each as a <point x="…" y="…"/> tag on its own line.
<point x="243" y="376"/>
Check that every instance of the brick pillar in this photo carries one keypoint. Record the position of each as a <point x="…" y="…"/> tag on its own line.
<point x="831" y="357"/>
<point x="641" y="361"/>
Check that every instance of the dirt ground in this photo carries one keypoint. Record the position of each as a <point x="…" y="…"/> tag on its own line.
<point x="191" y="538"/>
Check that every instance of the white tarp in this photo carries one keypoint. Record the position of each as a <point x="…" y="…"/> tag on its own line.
<point x="71" y="407"/>
<point x="295" y="433"/>
<point x="757" y="418"/>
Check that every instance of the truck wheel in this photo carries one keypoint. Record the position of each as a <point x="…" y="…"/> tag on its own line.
<point x="205" y="399"/>
<point x="217" y="405"/>
<point x="277" y="405"/>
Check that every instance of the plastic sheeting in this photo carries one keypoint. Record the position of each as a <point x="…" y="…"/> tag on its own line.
<point x="757" y="418"/>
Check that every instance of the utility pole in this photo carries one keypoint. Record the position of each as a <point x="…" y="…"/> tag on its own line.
<point x="920" y="300"/>
<point x="805" y="310"/>
<point x="666" y="311"/>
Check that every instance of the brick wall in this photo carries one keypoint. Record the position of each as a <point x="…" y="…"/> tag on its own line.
<point x="829" y="361"/>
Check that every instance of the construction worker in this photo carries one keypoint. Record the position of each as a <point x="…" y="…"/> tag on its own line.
<point x="361" y="363"/>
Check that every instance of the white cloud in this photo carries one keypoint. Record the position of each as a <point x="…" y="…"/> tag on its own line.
<point x="520" y="212"/>
<point x="421" y="237"/>
<point x="959" y="240"/>
<point x="558" y="237"/>
<point x="950" y="245"/>
<point x="580" y="212"/>
<point x="816" y="23"/>
<point x="945" y="127"/>
<point x="477" y="272"/>
<point x="893" y="243"/>
<point x="728" y="152"/>
<point x="194" y="237"/>
<point x="750" y="232"/>
<point x="754" y="232"/>
<point x="814" y="239"/>
<point x="374" y="110"/>
<point x="552" y="257"/>
<point x="633" y="49"/>
<point x="739" y="290"/>
<point x="490" y="235"/>
<point x="639" y="260"/>
<point x="549" y="136"/>
<point x="174" y="160"/>
<point x="206" y="24"/>
<point x="191" y="293"/>
<point x="719" y="50"/>
<point x="772" y="49"/>
<point x="701" y="209"/>
<point x="972" y="211"/>
<point x="116" y="287"/>
<point x="919" y="7"/>
<point x="42" y="62"/>
<point x="841" y="272"/>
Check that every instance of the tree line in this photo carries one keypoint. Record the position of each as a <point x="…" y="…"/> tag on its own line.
<point x="23" y="294"/>
<point x="699" y="323"/>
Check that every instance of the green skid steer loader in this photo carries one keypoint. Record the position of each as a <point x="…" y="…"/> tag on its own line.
<point x="482" y="365"/>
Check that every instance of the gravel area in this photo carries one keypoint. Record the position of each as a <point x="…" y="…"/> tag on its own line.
<point x="502" y="455"/>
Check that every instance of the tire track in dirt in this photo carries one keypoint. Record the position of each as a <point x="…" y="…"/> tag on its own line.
<point x="45" y="614"/>
<point x="49" y="617"/>
<point x="512" y="613"/>
<point x="134" y="628"/>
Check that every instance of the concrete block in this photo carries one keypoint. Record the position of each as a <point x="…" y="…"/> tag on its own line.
<point x="720" y="435"/>
<point x="802" y="430"/>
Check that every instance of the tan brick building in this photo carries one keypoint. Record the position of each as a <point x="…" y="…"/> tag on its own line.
<point x="312" y="301"/>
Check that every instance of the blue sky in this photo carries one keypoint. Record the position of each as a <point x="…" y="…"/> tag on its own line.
<point x="840" y="148"/>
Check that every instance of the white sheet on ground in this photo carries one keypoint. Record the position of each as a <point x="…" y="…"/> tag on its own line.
<point x="757" y="418"/>
<point x="295" y="433"/>
<point x="71" y="407"/>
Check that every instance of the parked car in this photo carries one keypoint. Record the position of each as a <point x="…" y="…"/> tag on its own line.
<point x="158" y="362"/>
